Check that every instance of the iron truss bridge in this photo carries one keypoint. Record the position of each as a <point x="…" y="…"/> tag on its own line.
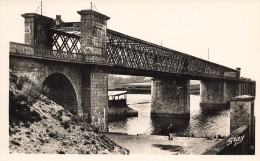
<point x="127" y="52"/>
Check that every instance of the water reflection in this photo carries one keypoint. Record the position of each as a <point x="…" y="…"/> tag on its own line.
<point x="200" y="123"/>
<point x="160" y="125"/>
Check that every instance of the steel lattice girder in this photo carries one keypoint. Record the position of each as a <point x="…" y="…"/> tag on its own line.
<point x="130" y="52"/>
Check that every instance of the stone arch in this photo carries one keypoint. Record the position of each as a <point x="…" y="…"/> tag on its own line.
<point x="61" y="90"/>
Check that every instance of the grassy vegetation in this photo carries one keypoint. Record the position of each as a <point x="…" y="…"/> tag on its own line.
<point x="22" y="94"/>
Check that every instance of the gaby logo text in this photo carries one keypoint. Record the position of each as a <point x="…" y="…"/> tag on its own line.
<point x="235" y="140"/>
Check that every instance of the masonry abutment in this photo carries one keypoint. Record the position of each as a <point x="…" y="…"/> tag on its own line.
<point x="170" y="97"/>
<point x="242" y="113"/>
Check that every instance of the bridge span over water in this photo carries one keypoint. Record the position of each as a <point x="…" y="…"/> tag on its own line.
<point x="73" y="59"/>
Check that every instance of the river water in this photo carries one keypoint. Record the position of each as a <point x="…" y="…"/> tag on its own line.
<point x="201" y="123"/>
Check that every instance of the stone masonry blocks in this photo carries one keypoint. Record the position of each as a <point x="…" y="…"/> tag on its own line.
<point x="99" y="97"/>
<point x="241" y="112"/>
<point x="230" y="91"/>
<point x="93" y="44"/>
<point x="90" y="84"/>
<point x="37" y="30"/>
<point x="170" y="97"/>
<point x="216" y="94"/>
<point x="212" y="92"/>
<point x="93" y="35"/>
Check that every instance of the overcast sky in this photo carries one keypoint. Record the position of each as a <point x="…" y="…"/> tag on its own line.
<point x="230" y="29"/>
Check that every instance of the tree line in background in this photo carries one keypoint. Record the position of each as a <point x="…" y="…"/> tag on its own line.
<point x="115" y="81"/>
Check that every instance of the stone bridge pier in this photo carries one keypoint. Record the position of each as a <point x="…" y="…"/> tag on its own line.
<point x="170" y="97"/>
<point x="95" y="97"/>
<point x="216" y="94"/>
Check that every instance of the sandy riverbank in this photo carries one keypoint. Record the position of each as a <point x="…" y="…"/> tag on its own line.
<point x="154" y="144"/>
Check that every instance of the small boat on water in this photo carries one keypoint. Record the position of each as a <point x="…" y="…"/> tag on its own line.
<point x="117" y="104"/>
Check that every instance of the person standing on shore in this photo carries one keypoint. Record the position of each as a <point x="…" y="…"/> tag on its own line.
<point x="170" y="131"/>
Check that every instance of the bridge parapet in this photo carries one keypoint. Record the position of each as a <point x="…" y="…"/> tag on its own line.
<point x="42" y="52"/>
<point x="34" y="51"/>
